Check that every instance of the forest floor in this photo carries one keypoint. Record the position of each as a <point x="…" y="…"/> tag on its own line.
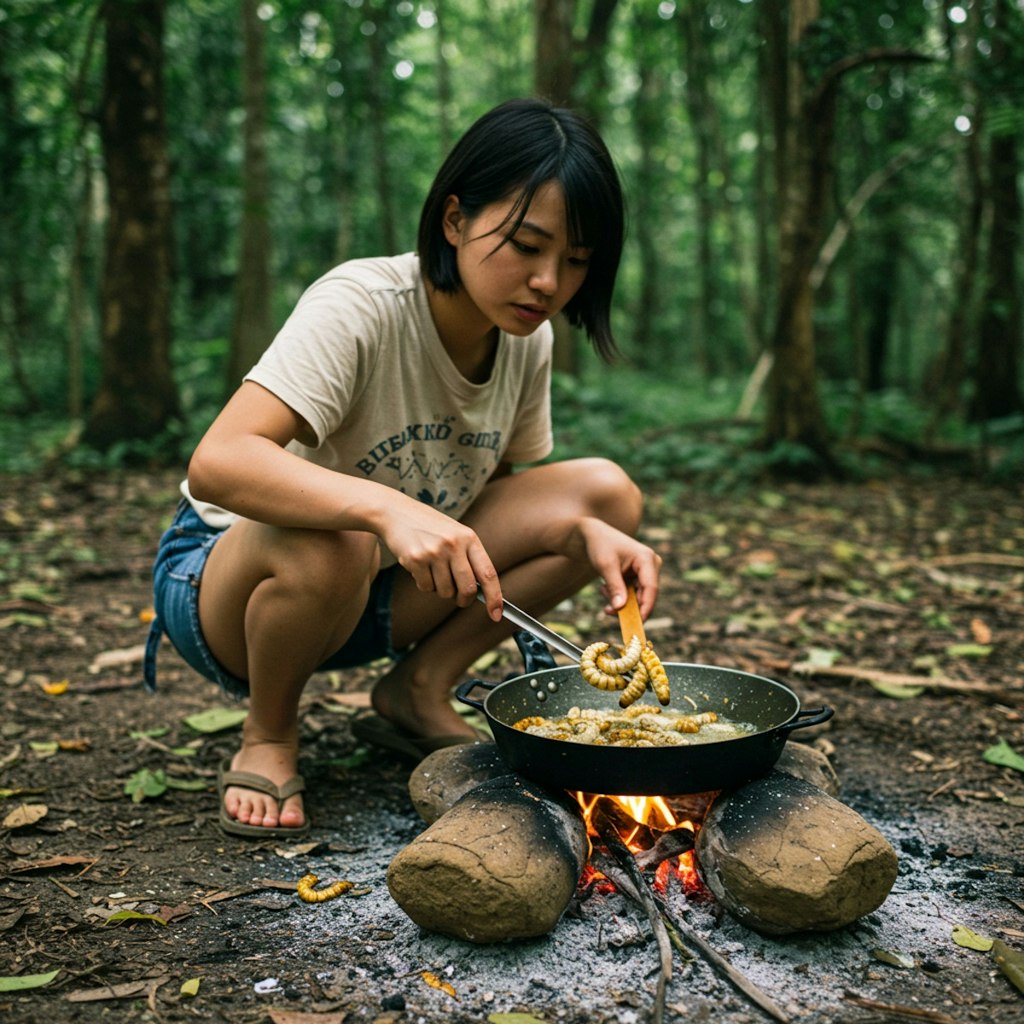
<point x="899" y="604"/>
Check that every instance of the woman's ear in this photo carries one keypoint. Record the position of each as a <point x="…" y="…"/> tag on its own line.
<point x="452" y="220"/>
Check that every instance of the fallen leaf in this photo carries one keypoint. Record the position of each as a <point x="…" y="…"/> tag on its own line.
<point x="155" y="734"/>
<point x="980" y="631"/>
<point x="145" y="783"/>
<point x="134" y="915"/>
<point x="514" y="1018"/>
<point x="893" y="959"/>
<point x="25" y="814"/>
<point x="147" y="615"/>
<point x="44" y="749"/>
<point x="1010" y="961"/>
<point x="435" y="982"/>
<point x="68" y="861"/>
<point x="22" y="982"/>
<point x="118" y="658"/>
<point x="190" y="987"/>
<point x="56" y="689"/>
<point x="896" y="691"/>
<point x="6" y="794"/>
<point x="216" y="719"/>
<point x="75" y="746"/>
<point x="126" y="990"/>
<point x="301" y="1017"/>
<point x="969" y="650"/>
<point x="1005" y="756"/>
<point x="963" y="936"/>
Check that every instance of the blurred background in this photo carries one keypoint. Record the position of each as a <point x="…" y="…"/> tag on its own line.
<point x="823" y="263"/>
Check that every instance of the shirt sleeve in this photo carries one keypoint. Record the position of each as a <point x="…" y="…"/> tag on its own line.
<point x="321" y="359"/>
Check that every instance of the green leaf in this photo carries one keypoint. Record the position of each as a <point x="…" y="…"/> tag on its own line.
<point x="145" y="783"/>
<point x="190" y="987"/>
<point x="1005" y="756"/>
<point x="134" y="915"/>
<point x="706" y="574"/>
<point x="193" y="785"/>
<point x="822" y="657"/>
<point x="963" y="936"/>
<point x="22" y="982"/>
<point x="969" y="650"/>
<point x="1010" y="962"/>
<point x="216" y="719"/>
<point x="893" y="959"/>
<point x="153" y="734"/>
<point x="896" y="691"/>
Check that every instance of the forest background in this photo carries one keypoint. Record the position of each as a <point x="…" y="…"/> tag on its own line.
<point x="822" y="272"/>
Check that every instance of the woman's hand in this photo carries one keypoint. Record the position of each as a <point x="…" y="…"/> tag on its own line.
<point x="442" y="555"/>
<point x="618" y="559"/>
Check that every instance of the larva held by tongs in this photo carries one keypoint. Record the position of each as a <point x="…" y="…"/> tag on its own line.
<point x="637" y="685"/>
<point x="656" y="672"/>
<point x="304" y="887"/>
<point x="596" y="676"/>
<point x="618" y="666"/>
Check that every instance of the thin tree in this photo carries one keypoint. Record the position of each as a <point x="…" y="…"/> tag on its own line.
<point x="137" y="397"/>
<point x="807" y="121"/>
<point x="997" y="390"/>
<point x="253" y="316"/>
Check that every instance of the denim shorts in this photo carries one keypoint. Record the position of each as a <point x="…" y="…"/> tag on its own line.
<point x="177" y="572"/>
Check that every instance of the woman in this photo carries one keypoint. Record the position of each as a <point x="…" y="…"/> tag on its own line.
<point x="356" y="492"/>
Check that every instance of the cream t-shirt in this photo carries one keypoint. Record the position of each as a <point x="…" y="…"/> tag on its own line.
<point x="360" y="360"/>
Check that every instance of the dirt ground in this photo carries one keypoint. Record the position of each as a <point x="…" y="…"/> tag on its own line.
<point x="849" y="594"/>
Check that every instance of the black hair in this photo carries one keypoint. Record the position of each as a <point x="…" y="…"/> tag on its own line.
<point x="516" y="148"/>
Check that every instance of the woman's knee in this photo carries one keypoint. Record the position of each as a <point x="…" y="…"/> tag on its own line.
<point x="326" y="561"/>
<point x="609" y="492"/>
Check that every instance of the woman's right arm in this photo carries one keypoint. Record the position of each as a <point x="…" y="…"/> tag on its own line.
<point x="241" y="464"/>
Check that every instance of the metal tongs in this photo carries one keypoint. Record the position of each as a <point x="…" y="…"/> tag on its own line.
<point x="630" y="623"/>
<point x="554" y="640"/>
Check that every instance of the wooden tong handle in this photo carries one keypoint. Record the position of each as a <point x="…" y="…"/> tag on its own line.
<point x="630" y="621"/>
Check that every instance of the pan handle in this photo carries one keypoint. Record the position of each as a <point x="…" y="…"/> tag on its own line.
<point x="536" y="654"/>
<point x="463" y="689"/>
<point x="817" y="716"/>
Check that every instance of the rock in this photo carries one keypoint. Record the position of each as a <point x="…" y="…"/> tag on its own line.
<point x="809" y="764"/>
<point x="783" y="856"/>
<point x="503" y="863"/>
<point x="444" y="776"/>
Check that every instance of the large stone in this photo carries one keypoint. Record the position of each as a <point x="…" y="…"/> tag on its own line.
<point x="809" y="764"/>
<point x="503" y="863"/>
<point x="442" y="778"/>
<point x="782" y="856"/>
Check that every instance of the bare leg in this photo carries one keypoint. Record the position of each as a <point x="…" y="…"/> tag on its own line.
<point x="509" y="517"/>
<point x="274" y="604"/>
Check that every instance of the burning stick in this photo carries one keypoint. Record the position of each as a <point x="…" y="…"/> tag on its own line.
<point x="673" y="927"/>
<point x="605" y="825"/>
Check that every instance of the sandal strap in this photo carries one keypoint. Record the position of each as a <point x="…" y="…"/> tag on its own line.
<point x="249" y="780"/>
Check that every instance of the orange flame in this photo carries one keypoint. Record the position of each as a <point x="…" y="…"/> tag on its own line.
<point x="655" y="813"/>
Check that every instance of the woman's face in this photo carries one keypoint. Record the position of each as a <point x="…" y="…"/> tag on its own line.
<point x="519" y="282"/>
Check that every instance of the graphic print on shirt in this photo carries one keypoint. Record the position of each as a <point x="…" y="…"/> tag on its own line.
<point x="424" y="461"/>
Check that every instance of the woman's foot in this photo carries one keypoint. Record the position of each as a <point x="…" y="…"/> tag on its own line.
<point x="276" y="762"/>
<point x="421" y="706"/>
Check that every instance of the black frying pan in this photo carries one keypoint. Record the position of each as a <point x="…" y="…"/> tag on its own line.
<point x="549" y="691"/>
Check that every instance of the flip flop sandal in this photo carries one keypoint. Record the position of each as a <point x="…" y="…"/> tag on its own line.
<point x="249" y="780"/>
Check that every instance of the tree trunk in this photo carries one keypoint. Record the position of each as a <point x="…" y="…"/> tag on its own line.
<point x="553" y="56"/>
<point x="379" y="135"/>
<point x="556" y="75"/>
<point x="794" y="412"/>
<point x="137" y="397"/>
<point x="997" y="389"/>
<point x="252" y="325"/>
